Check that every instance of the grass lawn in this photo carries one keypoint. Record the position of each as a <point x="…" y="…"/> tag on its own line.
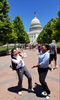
<point x="5" y="48"/>
<point x="11" y="47"/>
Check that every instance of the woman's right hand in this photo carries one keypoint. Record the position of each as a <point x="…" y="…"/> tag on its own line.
<point x="33" y="67"/>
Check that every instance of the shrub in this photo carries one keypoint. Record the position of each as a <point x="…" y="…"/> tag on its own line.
<point x="1" y="44"/>
<point x="58" y="44"/>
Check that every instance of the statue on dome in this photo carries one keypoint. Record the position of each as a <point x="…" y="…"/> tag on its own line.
<point x="34" y="14"/>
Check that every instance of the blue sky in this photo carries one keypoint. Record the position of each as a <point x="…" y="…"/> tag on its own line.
<point x="45" y="10"/>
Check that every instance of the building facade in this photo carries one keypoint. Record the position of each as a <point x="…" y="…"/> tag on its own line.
<point x="34" y="30"/>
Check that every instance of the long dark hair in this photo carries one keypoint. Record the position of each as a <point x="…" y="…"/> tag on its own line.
<point x="12" y="52"/>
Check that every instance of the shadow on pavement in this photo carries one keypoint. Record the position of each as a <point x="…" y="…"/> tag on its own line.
<point x="15" y="89"/>
<point x="38" y="89"/>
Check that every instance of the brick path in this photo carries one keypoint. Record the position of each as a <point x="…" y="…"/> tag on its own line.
<point x="9" y="79"/>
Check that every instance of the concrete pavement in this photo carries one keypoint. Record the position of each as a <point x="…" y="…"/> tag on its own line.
<point x="9" y="79"/>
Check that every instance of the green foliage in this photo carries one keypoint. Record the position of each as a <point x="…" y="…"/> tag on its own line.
<point x="57" y="27"/>
<point x="5" y="24"/>
<point x="11" y="31"/>
<point x="19" y="29"/>
<point x="13" y="36"/>
<point x="46" y="34"/>
<point x="58" y="13"/>
<point x="22" y="36"/>
<point x="26" y="38"/>
<point x="1" y="43"/>
<point x="50" y="31"/>
<point x="58" y="44"/>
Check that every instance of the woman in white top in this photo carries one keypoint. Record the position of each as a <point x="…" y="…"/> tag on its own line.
<point x="21" y="69"/>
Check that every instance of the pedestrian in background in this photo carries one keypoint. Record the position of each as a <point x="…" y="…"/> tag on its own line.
<point x="53" y="54"/>
<point x="15" y="46"/>
<point x="34" y="47"/>
<point x="30" y="46"/>
<point x="39" y="48"/>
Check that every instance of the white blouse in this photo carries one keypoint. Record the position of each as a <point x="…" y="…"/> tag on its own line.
<point x="18" y="61"/>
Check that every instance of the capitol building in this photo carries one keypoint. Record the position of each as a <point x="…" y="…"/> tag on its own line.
<point x="34" y="30"/>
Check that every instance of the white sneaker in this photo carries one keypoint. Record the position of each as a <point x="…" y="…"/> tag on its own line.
<point x="52" y="69"/>
<point x="56" y="67"/>
<point x="48" y="96"/>
<point x="20" y="93"/>
<point x="31" y="90"/>
<point x="44" y="92"/>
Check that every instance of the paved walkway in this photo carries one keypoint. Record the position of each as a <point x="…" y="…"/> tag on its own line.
<point x="9" y="79"/>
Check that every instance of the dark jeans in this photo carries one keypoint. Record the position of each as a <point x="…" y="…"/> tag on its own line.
<point x="23" y="71"/>
<point x="39" y="50"/>
<point x="42" y="75"/>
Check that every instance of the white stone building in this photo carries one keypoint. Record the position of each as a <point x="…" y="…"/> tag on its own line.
<point x="34" y="30"/>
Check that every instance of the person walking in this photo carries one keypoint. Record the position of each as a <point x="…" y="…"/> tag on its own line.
<point x="53" y="54"/>
<point x="30" y="46"/>
<point x="18" y="49"/>
<point x="43" y="64"/>
<point x="21" y="70"/>
<point x="39" y="48"/>
<point x="34" y="46"/>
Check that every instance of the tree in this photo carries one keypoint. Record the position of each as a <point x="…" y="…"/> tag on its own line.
<point x="13" y="36"/>
<point x="56" y="34"/>
<point x="50" y="31"/>
<point x="46" y="35"/>
<point x="26" y="37"/>
<point x="5" y="24"/>
<point x="19" y="30"/>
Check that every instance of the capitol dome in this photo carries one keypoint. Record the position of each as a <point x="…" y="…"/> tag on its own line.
<point x="35" y="29"/>
<point x="35" y="24"/>
<point x="35" y="21"/>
